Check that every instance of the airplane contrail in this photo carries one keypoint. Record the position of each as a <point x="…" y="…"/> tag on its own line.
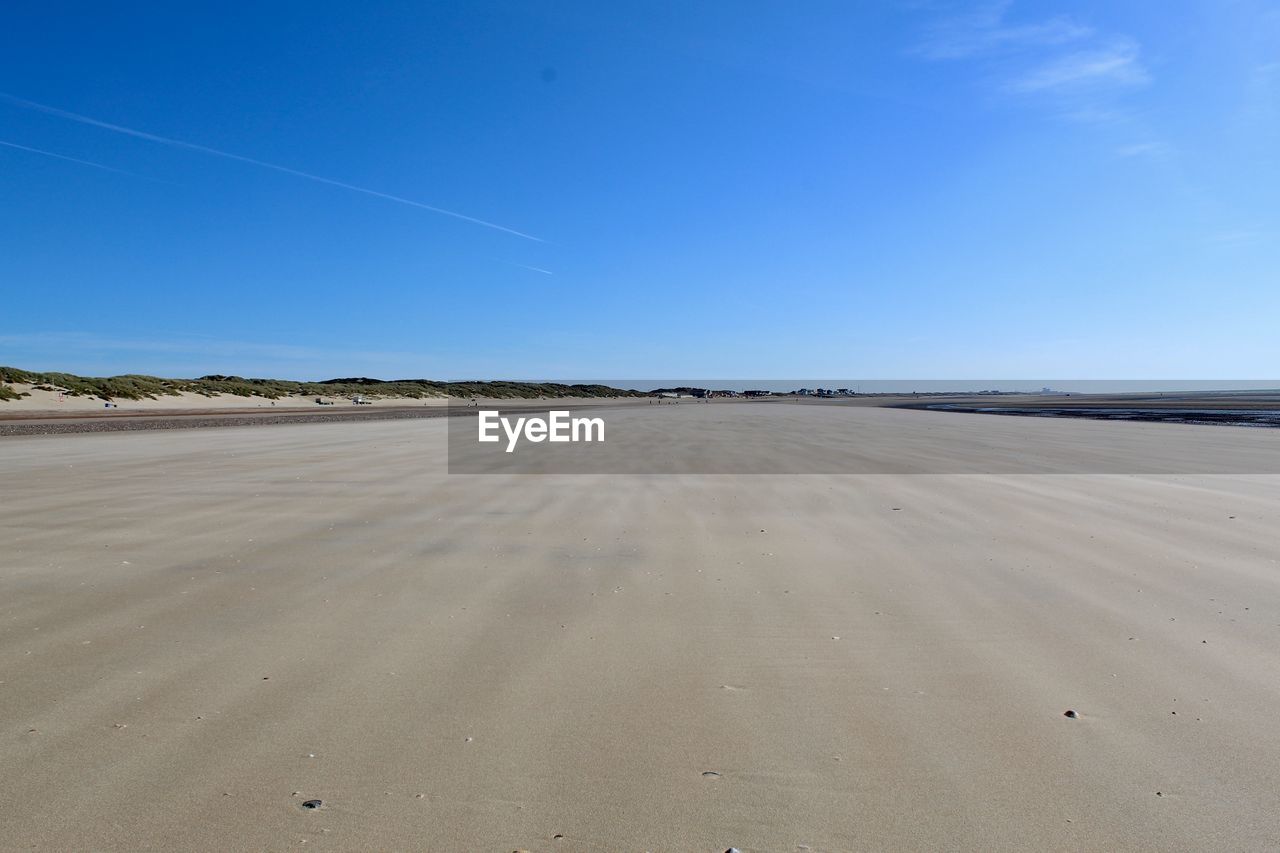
<point x="204" y="149"/>
<point x="533" y="269"/>
<point x="68" y="159"/>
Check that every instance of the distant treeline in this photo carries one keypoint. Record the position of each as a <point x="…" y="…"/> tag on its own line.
<point x="137" y="387"/>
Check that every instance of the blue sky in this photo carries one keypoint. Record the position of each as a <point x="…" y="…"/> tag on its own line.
<point x="771" y="190"/>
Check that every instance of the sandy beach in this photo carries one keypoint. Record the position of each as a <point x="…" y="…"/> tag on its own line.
<point x="202" y="629"/>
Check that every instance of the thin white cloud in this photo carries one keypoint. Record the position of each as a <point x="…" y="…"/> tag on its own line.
<point x="1144" y="149"/>
<point x="985" y="31"/>
<point x="1260" y="105"/>
<point x="1116" y="64"/>
<point x="204" y="149"/>
<point x="1241" y="237"/>
<point x="531" y="269"/>
<point x="1051" y="57"/>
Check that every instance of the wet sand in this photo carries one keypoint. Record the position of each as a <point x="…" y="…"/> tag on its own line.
<point x="1222" y="408"/>
<point x="202" y="629"/>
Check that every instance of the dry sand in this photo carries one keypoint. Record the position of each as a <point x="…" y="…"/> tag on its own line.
<point x="38" y="402"/>
<point x="201" y="629"/>
<point x="53" y="401"/>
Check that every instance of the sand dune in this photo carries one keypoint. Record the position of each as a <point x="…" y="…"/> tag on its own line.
<point x="201" y="629"/>
<point x="37" y="400"/>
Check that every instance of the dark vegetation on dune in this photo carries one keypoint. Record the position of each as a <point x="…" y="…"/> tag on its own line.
<point x="137" y="387"/>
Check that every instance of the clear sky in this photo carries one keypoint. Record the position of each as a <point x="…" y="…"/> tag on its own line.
<point x="612" y="189"/>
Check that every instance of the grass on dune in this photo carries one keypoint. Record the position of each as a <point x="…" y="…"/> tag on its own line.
<point x="139" y="387"/>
